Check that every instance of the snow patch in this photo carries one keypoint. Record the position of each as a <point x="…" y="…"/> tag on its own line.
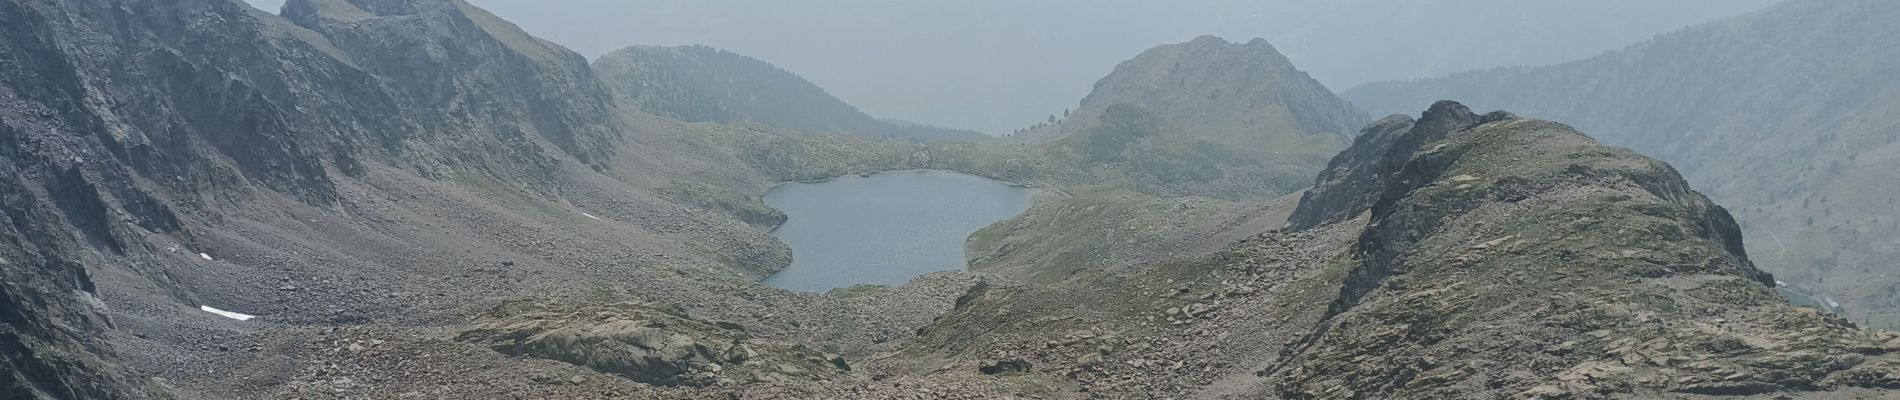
<point x="590" y="216"/>
<point x="227" y="314"/>
<point x="205" y="256"/>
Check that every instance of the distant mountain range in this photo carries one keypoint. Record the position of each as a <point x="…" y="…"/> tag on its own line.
<point x="1789" y="115"/>
<point x="704" y="84"/>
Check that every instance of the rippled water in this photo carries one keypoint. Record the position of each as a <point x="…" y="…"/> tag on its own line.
<point x="886" y="228"/>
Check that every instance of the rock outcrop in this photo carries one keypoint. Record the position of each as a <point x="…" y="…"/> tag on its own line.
<point x="649" y="344"/>
<point x="1502" y="235"/>
<point x="1779" y="114"/>
<point x="1457" y="255"/>
<point x="1353" y="181"/>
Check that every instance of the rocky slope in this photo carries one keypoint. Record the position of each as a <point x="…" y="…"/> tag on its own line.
<point x="1786" y="114"/>
<point x="418" y="200"/>
<point x="364" y="176"/>
<point x="1500" y="258"/>
<point x="704" y="84"/>
<point x="1107" y="229"/>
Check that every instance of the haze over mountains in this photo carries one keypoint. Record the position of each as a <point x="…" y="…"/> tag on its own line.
<point x="996" y="65"/>
<point x="419" y="199"/>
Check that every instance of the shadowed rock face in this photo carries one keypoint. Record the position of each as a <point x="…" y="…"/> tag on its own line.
<point x="124" y="124"/>
<point x="449" y="56"/>
<point x="1355" y="179"/>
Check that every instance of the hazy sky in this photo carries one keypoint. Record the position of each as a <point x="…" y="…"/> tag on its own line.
<point x="996" y="65"/>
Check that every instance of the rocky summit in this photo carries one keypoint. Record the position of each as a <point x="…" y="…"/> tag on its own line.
<point x="1208" y="117"/>
<point x="1780" y="114"/>
<point x="1477" y="256"/>
<point x="370" y="199"/>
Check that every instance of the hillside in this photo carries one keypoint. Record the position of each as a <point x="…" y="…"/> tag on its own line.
<point x="1787" y="114"/>
<point x="1501" y="257"/>
<point x="367" y="178"/>
<point x="416" y="199"/>
<point x="1098" y="229"/>
<point x="1206" y="117"/>
<point x="704" y="84"/>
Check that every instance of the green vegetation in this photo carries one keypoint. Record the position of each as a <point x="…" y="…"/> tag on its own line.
<point x="1121" y="126"/>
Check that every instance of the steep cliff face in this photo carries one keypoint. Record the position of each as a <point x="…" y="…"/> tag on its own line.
<point x="51" y="318"/>
<point x="342" y="165"/>
<point x="1786" y="114"/>
<point x="1353" y="180"/>
<point x="704" y="84"/>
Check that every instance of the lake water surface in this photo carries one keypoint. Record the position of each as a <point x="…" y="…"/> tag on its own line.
<point x="885" y="228"/>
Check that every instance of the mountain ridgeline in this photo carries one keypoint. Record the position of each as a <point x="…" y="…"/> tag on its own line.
<point x="1789" y="115"/>
<point x="704" y="84"/>
<point x="1207" y="117"/>
<point x="416" y="199"/>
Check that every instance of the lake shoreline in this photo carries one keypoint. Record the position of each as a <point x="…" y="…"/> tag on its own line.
<point x="885" y="228"/>
<point x="912" y="170"/>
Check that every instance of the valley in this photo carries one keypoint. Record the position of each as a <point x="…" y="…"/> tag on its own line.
<point x="369" y="199"/>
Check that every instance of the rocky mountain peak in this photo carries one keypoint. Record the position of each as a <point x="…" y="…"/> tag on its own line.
<point x="1226" y="91"/>
<point x="1353" y="181"/>
<point x="1779" y="114"/>
<point x="1471" y="213"/>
